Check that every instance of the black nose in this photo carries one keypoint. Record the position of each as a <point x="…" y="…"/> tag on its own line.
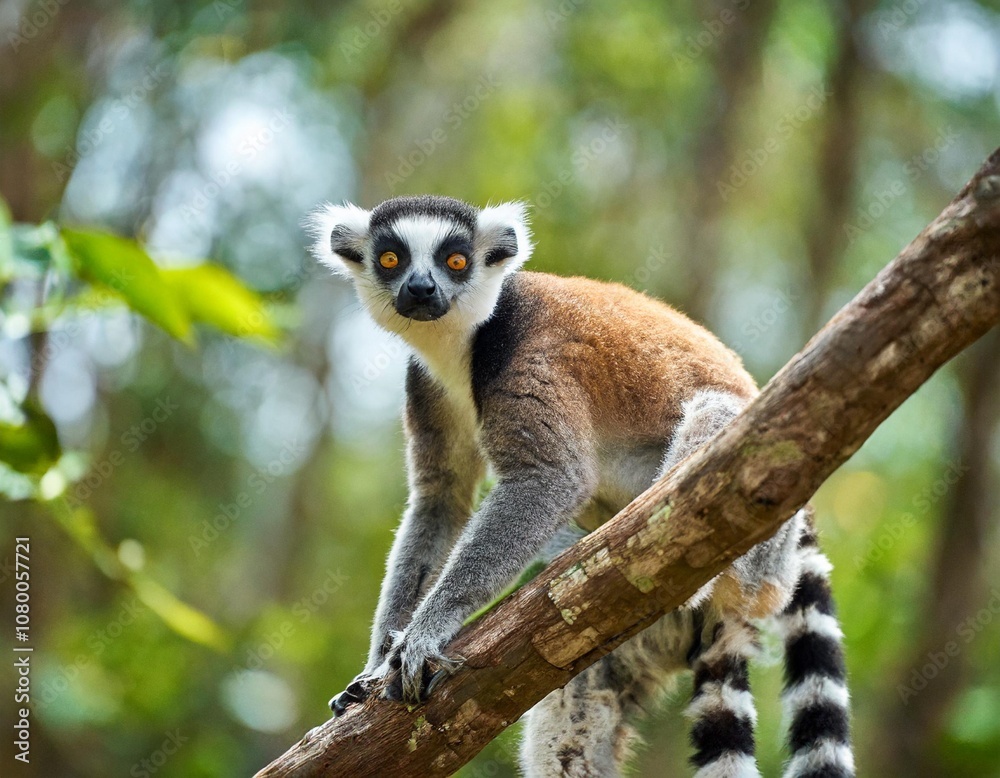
<point x="422" y="287"/>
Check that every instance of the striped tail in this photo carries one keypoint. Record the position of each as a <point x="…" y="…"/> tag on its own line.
<point x="815" y="696"/>
<point x="722" y="710"/>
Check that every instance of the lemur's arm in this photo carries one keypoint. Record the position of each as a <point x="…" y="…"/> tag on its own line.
<point x="445" y="468"/>
<point x="546" y="473"/>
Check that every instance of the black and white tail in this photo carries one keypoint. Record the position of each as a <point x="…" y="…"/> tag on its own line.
<point x="815" y="698"/>
<point x="722" y="710"/>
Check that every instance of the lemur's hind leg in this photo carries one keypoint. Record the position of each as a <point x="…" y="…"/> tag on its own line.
<point x="761" y="581"/>
<point x="583" y="730"/>
<point x="758" y="584"/>
<point x="787" y="575"/>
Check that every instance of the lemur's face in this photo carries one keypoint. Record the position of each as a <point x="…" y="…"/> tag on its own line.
<point x="423" y="262"/>
<point x="423" y="259"/>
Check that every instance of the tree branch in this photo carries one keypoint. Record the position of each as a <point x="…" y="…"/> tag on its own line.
<point x="938" y="296"/>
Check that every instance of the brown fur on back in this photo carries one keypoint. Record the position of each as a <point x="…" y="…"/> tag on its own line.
<point x="636" y="358"/>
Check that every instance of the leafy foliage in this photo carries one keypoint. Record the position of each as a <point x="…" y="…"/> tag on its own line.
<point x="103" y="267"/>
<point x="31" y="446"/>
<point x="211" y="295"/>
<point x="123" y="268"/>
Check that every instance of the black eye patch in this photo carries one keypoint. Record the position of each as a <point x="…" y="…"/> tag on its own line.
<point x="390" y="242"/>
<point x="453" y="244"/>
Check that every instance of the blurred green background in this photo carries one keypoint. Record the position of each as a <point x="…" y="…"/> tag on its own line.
<point x="211" y="472"/>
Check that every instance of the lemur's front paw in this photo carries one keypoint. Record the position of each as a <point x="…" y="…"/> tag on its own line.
<point x="416" y="666"/>
<point x="358" y="690"/>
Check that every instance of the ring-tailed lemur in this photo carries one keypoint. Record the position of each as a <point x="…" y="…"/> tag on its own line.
<point x="580" y="395"/>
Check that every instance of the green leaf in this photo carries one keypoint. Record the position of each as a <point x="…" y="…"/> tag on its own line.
<point x="123" y="267"/>
<point x="214" y="296"/>
<point x="32" y="447"/>
<point x="185" y="620"/>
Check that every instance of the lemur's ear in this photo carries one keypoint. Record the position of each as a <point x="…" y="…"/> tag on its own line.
<point x="339" y="232"/>
<point x="503" y="236"/>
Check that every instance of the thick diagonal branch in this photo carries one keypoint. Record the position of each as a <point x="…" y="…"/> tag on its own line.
<point x="938" y="296"/>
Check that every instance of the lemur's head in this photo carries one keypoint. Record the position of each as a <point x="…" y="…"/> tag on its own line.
<point x="421" y="259"/>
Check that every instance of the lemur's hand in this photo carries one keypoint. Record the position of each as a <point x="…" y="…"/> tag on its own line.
<point x="416" y="666"/>
<point x="358" y="690"/>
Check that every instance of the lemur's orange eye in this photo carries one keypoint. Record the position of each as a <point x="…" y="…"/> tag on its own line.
<point x="388" y="260"/>
<point x="457" y="262"/>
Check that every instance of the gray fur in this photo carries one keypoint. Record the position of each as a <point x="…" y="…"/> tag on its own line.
<point x="584" y="729"/>
<point x="446" y="468"/>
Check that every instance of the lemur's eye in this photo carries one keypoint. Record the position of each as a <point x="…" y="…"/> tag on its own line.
<point x="388" y="260"/>
<point x="457" y="262"/>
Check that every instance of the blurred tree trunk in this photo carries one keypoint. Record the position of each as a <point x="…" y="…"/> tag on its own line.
<point x="837" y="160"/>
<point x="913" y="731"/>
<point x="736" y="73"/>
<point x="410" y="39"/>
<point x="32" y="71"/>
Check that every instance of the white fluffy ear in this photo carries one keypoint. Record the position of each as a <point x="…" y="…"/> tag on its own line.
<point x="503" y="236"/>
<point x="339" y="233"/>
